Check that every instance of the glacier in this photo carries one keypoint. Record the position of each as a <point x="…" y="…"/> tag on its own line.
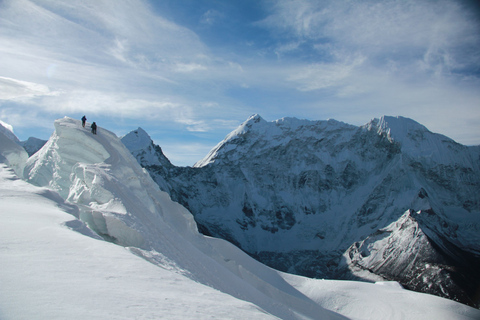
<point x="297" y="194"/>
<point x="86" y="233"/>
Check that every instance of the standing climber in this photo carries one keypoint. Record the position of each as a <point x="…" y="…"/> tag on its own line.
<point x="94" y="127"/>
<point x="84" y="119"/>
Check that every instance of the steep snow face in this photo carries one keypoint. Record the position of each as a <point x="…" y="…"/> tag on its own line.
<point x="261" y="134"/>
<point x="52" y="165"/>
<point x="418" y="142"/>
<point x="141" y="146"/>
<point x="11" y="153"/>
<point x="149" y="155"/>
<point x="296" y="194"/>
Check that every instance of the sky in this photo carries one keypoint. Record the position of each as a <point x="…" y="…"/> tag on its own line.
<point x="190" y="71"/>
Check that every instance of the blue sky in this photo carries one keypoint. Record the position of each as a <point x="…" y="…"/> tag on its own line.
<point x="190" y="71"/>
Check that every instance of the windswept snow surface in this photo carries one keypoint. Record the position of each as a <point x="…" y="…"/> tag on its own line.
<point x="53" y="266"/>
<point x="49" y="271"/>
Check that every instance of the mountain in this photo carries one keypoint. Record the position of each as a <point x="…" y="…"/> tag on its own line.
<point x="297" y="194"/>
<point x="92" y="236"/>
<point x="32" y="145"/>
<point x="407" y="250"/>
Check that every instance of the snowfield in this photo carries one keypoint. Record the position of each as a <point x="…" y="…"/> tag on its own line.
<point x="53" y="267"/>
<point x="56" y="262"/>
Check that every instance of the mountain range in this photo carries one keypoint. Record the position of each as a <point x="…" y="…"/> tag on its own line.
<point x="388" y="200"/>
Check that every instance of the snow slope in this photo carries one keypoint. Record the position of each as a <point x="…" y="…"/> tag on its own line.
<point x="55" y="267"/>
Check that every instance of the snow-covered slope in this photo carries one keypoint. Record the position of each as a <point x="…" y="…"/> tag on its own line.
<point x="55" y="267"/>
<point x="296" y="194"/>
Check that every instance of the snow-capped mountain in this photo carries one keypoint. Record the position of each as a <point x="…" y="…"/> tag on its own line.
<point x="59" y="259"/>
<point x="419" y="257"/>
<point x="32" y="145"/>
<point x="297" y="194"/>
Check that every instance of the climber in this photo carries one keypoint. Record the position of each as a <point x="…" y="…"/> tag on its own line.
<point x="94" y="128"/>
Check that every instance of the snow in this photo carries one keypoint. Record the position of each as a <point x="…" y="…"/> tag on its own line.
<point x="139" y="142"/>
<point x="49" y="271"/>
<point x="418" y="142"/>
<point x="276" y="132"/>
<point x="10" y="152"/>
<point x="155" y="265"/>
<point x="382" y="300"/>
<point x="7" y="130"/>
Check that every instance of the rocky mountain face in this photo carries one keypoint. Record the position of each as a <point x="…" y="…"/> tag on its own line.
<point x="387" y="200"/>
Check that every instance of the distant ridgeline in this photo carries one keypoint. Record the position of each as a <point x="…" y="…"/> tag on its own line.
<point x="389" y="200"/>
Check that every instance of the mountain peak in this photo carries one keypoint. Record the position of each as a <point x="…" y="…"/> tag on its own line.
<point x="254" y="120"/>
<point x="416" y="140"/>
<point x="139" y="143"/>
<point x="136" y="139"/>
<point x="398" y="128"/>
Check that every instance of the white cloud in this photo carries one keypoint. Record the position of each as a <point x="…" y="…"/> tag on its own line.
<point x="430" y="31"/>
<point x="322" y="75"/>
<point x="11" y="89"/>
<point x="189" y="67"/>
<point x="111" y="58"/>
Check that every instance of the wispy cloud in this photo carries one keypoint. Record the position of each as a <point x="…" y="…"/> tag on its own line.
<point x="12" y="89"/>
<point x="324" y="75"/>
<point x="351" y="61"/>
<point x="435" y="33"/>
<point x="413" y="58"/>
<point x="106" y="57"/>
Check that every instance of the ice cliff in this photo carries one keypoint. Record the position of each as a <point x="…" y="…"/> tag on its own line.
<point x="11" y="152"/>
